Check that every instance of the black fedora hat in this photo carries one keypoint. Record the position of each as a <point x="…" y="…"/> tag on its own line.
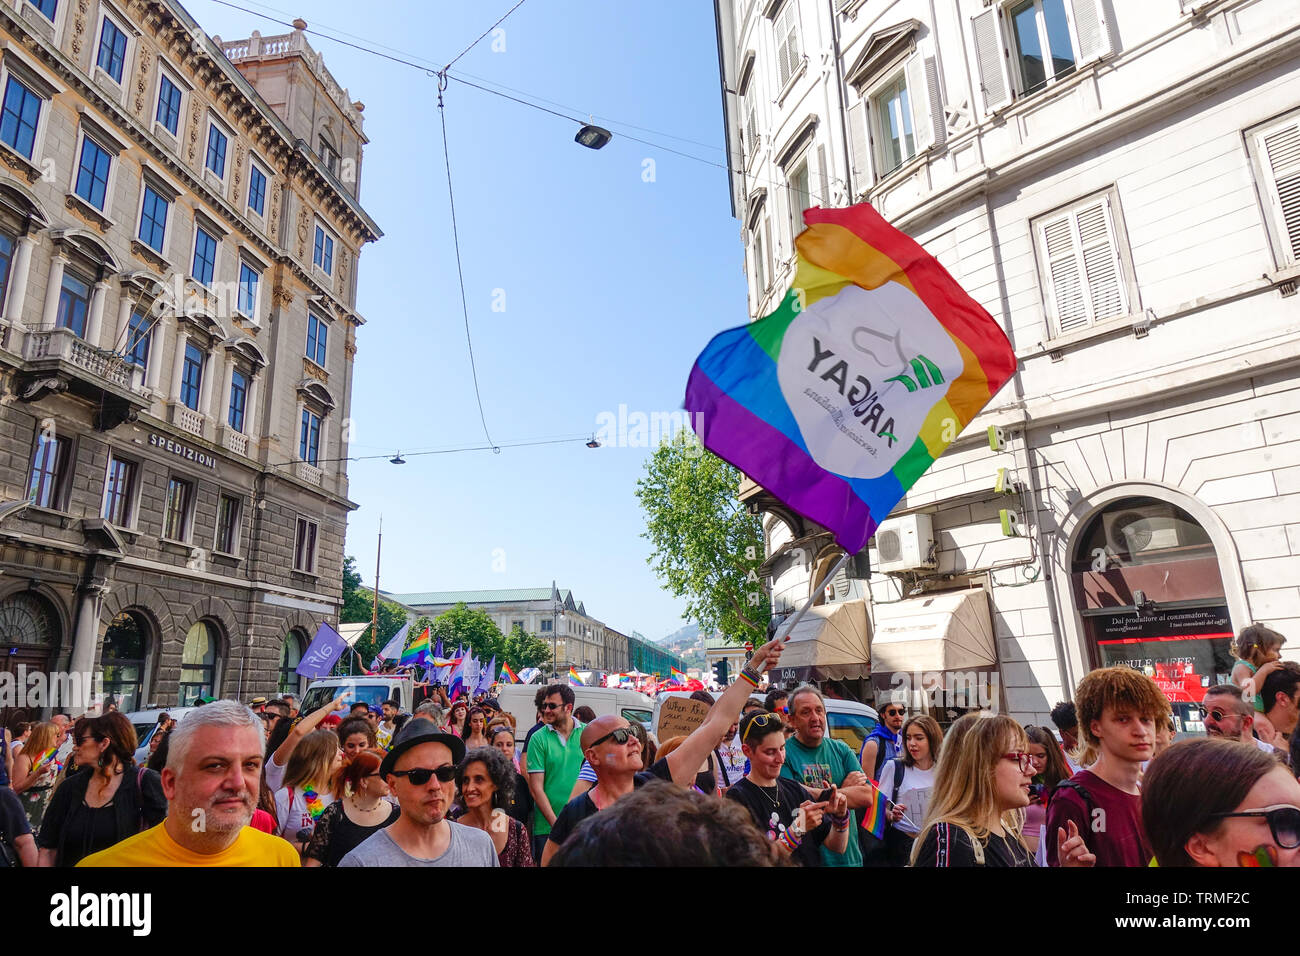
<point x="418" y="732"/>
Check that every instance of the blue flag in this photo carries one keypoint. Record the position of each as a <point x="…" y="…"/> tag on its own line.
<point x="437" y="651"/>
<point x="325" y="649"/>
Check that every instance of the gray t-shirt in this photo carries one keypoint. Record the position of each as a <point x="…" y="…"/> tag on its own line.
<point x="468" y="847"/>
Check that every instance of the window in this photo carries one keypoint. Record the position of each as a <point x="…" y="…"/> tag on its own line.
<point x="516" y="624"/>
<point x="112" y="50"/>
<point x="304" y="547"/>
<point x="546" y="626"/>
<point x="786" y="32"/>
<point x="238" y="400"/>
<point x="119" y="487"/>
<point x="317" y="336"/>
<point x="176" y="519"/>
<point x="1276" y="151"/>
<point x="74" y="304"/>
<point x="290" y="657"/>
<point x="198" y="664"/>
<point x="309" y="437"/>
<point x="169" y="105"/>
<point x="329" y="156"/>
<point x="1083" y="273"/>
<point x="216" y="155"/>
<point x="138" y="336"/>
<point x="249" y="278"/>
<point x="47" y="7"/>
<point x="49" y="467"/>
<point x="6" y="258"/>
<point x="1029" y="45"/>
<point x="800" y="197"/>
<point x="256" y="189"/>
<point x="123" y="659"/>
<point x="191" y="377"/>
<point x="153" y="219"/>
<point x="1042" y="43"/>
<point x="92" y="173"/>
<point x="205" y="256"/>
<point x="894" y="130"/>
<point x="228" y="524"/>
<point x="18" y="117"/>
<point x="760" y="263"/>
<point x="323" y="251"/>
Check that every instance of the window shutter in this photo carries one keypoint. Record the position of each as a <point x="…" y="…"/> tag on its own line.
<point x="918" y="96"/>
<point x="1101" y="260"/>
<point x="784" y="66"/>
<point x="991" y="57"/>
<point x="936" y="100"/>
<point x="1283" y="149"/>
<point x="1092" y="29"/>
<point x="859" y="148"/>
<point x="1068" y="305"/>
<point x="751" y="127"/>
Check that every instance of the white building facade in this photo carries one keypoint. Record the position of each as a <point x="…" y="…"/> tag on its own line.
<point x="1118" y="184"/>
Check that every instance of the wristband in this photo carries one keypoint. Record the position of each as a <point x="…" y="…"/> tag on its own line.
<point x="749" y="675"/>
<point x="840" y="823"/>
<point x="789" y="840"/>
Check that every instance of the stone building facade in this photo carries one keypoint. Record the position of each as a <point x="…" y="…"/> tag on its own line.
<point x="1118" y="184"/>
<point x="179" y="232"/>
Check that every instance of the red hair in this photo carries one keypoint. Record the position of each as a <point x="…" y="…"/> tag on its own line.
<point x="357" y="769"/>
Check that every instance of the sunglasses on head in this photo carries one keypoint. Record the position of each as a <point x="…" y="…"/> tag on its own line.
<point x="761" y="721"/>
<point x="619" y="737"/>
<point x="1283" y="823"/>
<point x="420" y="775"/>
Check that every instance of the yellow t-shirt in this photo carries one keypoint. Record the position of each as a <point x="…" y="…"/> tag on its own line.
<point x="155" y="847"/>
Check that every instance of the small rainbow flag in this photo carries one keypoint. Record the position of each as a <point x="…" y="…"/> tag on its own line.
<point x="418" y="651"/>
<point x="575" y="679"/>
<point x="871" y="365"/>
<point x="677" y="675"/>
<point x="43" y="759"/>
<point x="873" y="821"/>
<point x="507" y="672"/>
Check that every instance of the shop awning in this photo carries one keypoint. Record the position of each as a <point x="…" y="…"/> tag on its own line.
<point x="951" y="630"/>
<point x="830" y="642"/>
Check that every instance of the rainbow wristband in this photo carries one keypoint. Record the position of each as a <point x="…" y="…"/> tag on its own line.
<point x="789" y="841"/>
<point x="753" y="681"/>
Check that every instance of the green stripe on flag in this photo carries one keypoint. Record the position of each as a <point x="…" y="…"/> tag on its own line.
<point x="913" y="464"/>
<point x="770" y="330"/>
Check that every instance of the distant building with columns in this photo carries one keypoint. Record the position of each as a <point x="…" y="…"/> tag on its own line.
<point x="179" y="232"/>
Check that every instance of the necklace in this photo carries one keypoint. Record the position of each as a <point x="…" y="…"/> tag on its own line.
<point x="370" y="809"/>
<point x="776" y="802"/>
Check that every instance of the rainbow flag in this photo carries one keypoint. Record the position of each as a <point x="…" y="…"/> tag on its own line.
<point x="506" y="671"/>
<point x="677" y="675"/>
<point x="44" y="758"/>
<point x="874" y="821"/>
<point x="575" y="679"/>
<point x="418" y="651"/>
<point x="872" y="364"/>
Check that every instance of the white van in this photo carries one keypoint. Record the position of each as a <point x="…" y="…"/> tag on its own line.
<point x="848" y="720"/>
<point x="517" y="699"/>
<point x="365" y="689"/>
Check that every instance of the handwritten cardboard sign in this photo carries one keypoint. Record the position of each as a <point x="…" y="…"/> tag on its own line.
<point x="679" y="715"/>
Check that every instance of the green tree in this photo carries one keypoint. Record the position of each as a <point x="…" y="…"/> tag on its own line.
<point x="706" y="547"/>
<point x="474" y="629"/>
<point x="525" y="650"/>
<point x="358" y="606"/>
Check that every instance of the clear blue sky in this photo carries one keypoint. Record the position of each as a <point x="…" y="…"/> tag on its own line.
<point x="612" y="284"/>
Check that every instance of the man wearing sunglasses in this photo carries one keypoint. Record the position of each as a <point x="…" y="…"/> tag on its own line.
<point x="554" y="761"/>
<point x="614" y="752"/>
<point x="420" y="769"/>
<point x="1228" y="717"/>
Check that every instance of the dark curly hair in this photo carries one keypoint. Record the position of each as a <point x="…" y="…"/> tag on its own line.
<point x="664" y="825"/>
<point x="499" y="769"/>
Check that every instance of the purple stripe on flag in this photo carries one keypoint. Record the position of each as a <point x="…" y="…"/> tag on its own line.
<point x="733" y="433"/>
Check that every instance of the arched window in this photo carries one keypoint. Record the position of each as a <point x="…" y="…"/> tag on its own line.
<point x="198" y="663"/>
<point x="29" y="636"/>
<point x="1149" y="593"/>
<point x="126" y="646"/>
<point x="290" y="654"/>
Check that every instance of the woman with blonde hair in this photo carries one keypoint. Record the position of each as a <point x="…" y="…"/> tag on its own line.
<point x="976" y="808"/>
<point x="33" y="777"/>
<point x="308" y="786"/>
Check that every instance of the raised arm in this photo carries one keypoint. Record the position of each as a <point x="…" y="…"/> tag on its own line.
<point x="686" y="759"/>
<point x="305" y="726"/>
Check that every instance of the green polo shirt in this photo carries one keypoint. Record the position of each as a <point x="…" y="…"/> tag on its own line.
<point x="828" y="763"/>
<point x="560" y="761"/>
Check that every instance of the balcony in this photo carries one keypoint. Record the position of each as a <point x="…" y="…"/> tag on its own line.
<point x="186" y="419"/>
<point x="59" y="360"/>
<point x="308" y="472"/>
<point x="233" y="440"/>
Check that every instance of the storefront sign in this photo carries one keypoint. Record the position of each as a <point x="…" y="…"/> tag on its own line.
<point x="1172" y="624"/>
<point x="163" y="443"/>
<point x="1183" y="650"/>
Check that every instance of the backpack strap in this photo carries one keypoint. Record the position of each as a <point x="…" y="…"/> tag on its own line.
<point x="1081" y="790"/>
<point x="899" y="769"/>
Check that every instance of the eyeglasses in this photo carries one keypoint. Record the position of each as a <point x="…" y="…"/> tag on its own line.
<point x="761" y="721"/>
<point x="1283" y="823"/>
<point x="420" y="775"/>
<point x="619" y="737"/>
<point x="895" y="713"/>
<point x="82" y="741"/>
<point x="1217" y="713"/>
<point x="1024" y="758"/>
<point x="549" y="706"/>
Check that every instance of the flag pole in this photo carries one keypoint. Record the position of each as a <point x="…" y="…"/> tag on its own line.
<point x="812" y="597"/>
<point x="374" y="614"/>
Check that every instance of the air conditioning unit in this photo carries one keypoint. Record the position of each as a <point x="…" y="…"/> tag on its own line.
<point x="905" y="544"/>
<point x="1132" y="531"/>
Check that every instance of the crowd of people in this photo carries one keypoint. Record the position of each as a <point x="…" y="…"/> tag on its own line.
<point x="456" y="783"/>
